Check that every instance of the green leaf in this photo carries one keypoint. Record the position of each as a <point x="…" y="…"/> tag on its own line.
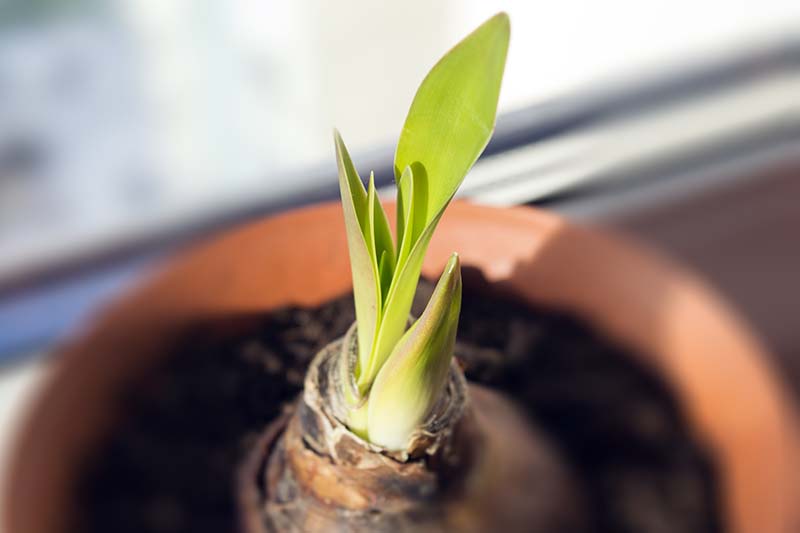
<point x="449" y="124"/>
<point x="413" y="378"/>
<point x="419" y="216"/>
<point x="385" y="272"/>
<point x="403" y="213"/>
<point x="397" y="306"/>
<point x="356" y="217"/>
<point x="453" y="113"/>
<point x="382" y="234"/>
<point x="405" y="216"/>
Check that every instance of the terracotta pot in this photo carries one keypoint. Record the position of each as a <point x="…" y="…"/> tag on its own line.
<point x="720" y="373"/>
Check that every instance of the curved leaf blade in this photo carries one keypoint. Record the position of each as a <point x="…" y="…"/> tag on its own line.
<point x="408" y="386"/>
<point x="398" y="305"/>
<point x="381" y="232"/>
<point x="356" y="217"/>
<point x="453" y="113"/>
<point x="405" y="214"/>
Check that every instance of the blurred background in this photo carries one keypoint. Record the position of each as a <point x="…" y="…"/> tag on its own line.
<point x="128" y="129"/>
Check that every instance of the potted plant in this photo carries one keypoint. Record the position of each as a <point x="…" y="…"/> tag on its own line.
<point x="236" y="390"/>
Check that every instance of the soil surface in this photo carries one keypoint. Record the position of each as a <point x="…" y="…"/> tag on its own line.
<point x="169" y="464"/>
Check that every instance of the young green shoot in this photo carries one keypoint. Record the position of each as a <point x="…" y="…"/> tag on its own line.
<point x="400" y="372"/>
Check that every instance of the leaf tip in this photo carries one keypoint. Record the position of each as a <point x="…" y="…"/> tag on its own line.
<point x="502" y="19"/>
<point x="453" y="264"/>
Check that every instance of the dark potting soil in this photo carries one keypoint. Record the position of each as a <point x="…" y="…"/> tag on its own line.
<point x="169" y="463"/>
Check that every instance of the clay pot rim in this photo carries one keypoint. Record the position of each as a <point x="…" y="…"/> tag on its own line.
<point x="751" y="365"/>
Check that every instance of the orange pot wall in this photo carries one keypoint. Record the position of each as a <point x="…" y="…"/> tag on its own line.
<point x="719" y="371"/>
